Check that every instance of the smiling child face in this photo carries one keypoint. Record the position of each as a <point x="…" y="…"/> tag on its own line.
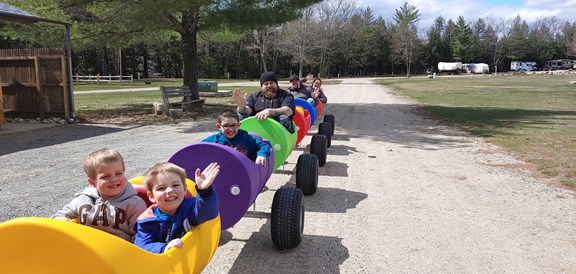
<point x="229" y="127"/>
<point x="110" y="180"/>
<point x="168" y="192"/>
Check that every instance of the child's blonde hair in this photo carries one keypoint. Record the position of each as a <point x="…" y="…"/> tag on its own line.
<point x="150" y="177"/>
<point x="98" y="157"/>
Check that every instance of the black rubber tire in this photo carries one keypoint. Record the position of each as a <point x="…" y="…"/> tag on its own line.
<point x="287" y="224"/>
<point x="318" y="147"/>
<point x="307" y="173"/>
<point x="326" y="130"/>
<point x="329" y="118"/>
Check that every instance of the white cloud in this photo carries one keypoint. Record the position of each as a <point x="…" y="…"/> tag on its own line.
<point x="530" y="10"/>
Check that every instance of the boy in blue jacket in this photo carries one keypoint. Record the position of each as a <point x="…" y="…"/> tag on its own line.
<point x="162" y="225"/>
<point x="231" y="135"/>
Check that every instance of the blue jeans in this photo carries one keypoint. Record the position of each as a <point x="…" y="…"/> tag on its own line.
<point x="286" y="122"/>
<point x="282" y="119"/>
<point x="311" y="101"/>
<point x="242" y="116"/>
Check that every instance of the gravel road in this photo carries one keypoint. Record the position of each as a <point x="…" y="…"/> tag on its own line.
<point x="400" y="193"/>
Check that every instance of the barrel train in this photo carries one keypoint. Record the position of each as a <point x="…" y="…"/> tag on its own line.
<point x="44" y="245"/>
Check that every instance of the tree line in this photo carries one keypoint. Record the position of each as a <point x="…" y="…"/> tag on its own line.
<point x="242" y="38"/>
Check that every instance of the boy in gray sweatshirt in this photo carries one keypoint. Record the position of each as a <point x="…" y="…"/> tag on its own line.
<point x="110" y="203"/>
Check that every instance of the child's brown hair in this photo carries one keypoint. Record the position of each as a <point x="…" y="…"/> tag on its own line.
<point x="150" y="177"/>
<point x="228" y="114"/>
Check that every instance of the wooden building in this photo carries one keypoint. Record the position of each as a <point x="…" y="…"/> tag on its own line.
<point x="35" y="82"/>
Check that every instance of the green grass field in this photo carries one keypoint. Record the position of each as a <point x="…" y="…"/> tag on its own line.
<point x="532" y="116"/>
<point x="84" y="86"/>
<point x="96" y="103"/>
<point x="92" y="103"/>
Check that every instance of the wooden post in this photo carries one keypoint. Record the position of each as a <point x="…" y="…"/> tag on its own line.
<point x="120" y="62"/>
<point x="39" y="88"/>
<point x="65" y="88"/>
<point x="1" y="105"/>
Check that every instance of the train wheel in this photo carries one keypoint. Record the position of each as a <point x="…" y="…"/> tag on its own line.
<point x="287" y="225"/>
<point x="329" y="118"/>
<point x="326" y="130"/>
<point x="318" y="147"/>
<point x="307" y="173"/>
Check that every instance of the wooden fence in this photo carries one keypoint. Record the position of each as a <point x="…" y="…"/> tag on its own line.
<point x="34" y="83"/>
<point x="96" y="79"/>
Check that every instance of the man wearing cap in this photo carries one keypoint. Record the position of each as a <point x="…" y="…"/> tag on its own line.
<point x="298" y="90"/>
<point x="269" y="102"/>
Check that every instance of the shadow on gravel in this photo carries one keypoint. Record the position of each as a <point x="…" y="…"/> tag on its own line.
<point x="419" y="132"/>
<point x="302" y="147"/>
<point x="332" y="168"/>
<point x="333" y="200"/>
<point x="328" y="200"/>
<point x="342" y="150"/>
<point x="339" y="137"/>
<point x="225" y="237"/>
<point x="315" y="254"/>
<point x="284" y="171"/>
<point x="32" y="139"/>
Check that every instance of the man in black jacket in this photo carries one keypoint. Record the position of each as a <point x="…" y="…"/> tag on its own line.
<point x="269" y="102"/>
<point x="298" y="90"/>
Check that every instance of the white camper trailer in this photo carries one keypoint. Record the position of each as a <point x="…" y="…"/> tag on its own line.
<point x="523" y="66"/>
<point x="479" y="68"/>
<point x="455" y="67"/>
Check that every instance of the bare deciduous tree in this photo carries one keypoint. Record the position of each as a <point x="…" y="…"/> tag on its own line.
<point x="296" y="43"/>
<point x="264" y="41"/>
<point x="329" y="16"/>
<point x="498" y="27"/>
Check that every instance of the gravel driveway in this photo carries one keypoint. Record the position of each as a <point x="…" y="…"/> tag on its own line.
<point x="400" y="193"/>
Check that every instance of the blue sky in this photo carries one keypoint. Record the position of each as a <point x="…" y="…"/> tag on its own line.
<point x="515" y="3"/>
<point x="529" y="10"/>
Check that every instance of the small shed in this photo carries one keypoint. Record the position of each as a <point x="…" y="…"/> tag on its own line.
<point x="35" y="82"/>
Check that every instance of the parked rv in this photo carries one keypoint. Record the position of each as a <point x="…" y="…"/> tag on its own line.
<point x="523" y="66"/>
<point x="559" y="64"/>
